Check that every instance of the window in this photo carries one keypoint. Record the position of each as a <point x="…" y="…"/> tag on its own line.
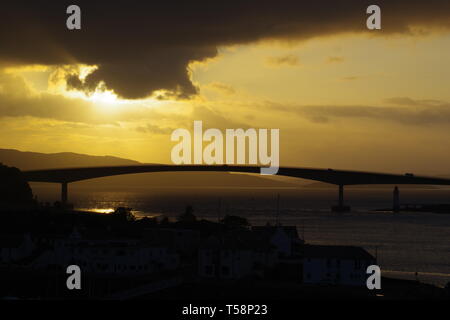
<point x="208" y="270"/>
<point x="225" y="271"/>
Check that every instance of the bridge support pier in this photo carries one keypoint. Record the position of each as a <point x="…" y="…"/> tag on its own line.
<point x="396" y="200"/>
<point x="64" y="194"/>
<point x="341" y="207"/>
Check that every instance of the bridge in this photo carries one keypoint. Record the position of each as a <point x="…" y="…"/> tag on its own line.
<point x="340" y="178"/>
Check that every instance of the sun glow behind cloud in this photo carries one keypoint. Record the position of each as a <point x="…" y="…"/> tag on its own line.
<point x="52" y="80"/>
<point x="105" y="98"/>
<point x="102" y="96"/>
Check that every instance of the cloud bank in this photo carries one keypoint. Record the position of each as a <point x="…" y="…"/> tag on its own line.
<point x="144" y="46"/>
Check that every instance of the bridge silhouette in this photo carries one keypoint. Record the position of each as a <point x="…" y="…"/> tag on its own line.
<point x="339" y="178"/>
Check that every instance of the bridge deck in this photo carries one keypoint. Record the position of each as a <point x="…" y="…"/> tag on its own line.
<point x="337" y="177"/>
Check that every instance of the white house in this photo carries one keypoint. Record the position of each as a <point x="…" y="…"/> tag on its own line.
<point x="15" y="247"/>
<point x="184" y="241"/>
<point x="284" y="238"/>
<point x="339" y="265"/>
<point x="234" y="255"/>
<point x="108" y="256"/>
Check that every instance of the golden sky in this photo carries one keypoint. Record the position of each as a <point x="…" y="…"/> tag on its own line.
<point x="347" y="100"/>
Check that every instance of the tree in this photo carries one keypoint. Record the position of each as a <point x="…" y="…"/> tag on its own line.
<point x="188" y="215"/>
<point x="164" y="221"/>
<point x="14" y="188"/>
<point x="124" y="214"/>
<point x="235" y="221"/>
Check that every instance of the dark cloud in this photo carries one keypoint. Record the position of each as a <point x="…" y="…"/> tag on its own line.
<point x="213" y="119"/>
<point x="287" y="60"/>
<point x="406" y="111"/>
<point x="222" y="87"/>
<point x="405" y="101"/>
<point x="144" y="46"/>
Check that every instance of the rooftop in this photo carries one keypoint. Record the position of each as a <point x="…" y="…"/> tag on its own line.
<point x="291" y="231"/>
<point x="341" y="252"/>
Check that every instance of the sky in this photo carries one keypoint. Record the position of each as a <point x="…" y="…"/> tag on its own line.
<point x="342" y="96"/>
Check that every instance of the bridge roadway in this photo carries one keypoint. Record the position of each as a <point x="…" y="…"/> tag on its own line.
<point x="340" y="178"/>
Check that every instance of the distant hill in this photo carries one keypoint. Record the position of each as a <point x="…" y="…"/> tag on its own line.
<point x="35" y="160"/>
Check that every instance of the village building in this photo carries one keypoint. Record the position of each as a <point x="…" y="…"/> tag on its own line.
<point x="337" y="265"/>
<point x="285" y="239"/>
<point x="108" y="256"/>
<point x="235" y="255"/>
<point x="14" y="248"/>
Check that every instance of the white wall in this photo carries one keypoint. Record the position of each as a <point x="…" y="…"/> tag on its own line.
<point x="317" y="270"/>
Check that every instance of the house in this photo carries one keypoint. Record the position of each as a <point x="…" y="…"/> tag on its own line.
<point x="339" y="265"/>
<point x="285" y="239"/>
<point x="15" y="247"/>
<point x="183" y="241"/>
<point x="235" y="255"/>
<point x="122" y="259"/>
<point x="106" y="256"/>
